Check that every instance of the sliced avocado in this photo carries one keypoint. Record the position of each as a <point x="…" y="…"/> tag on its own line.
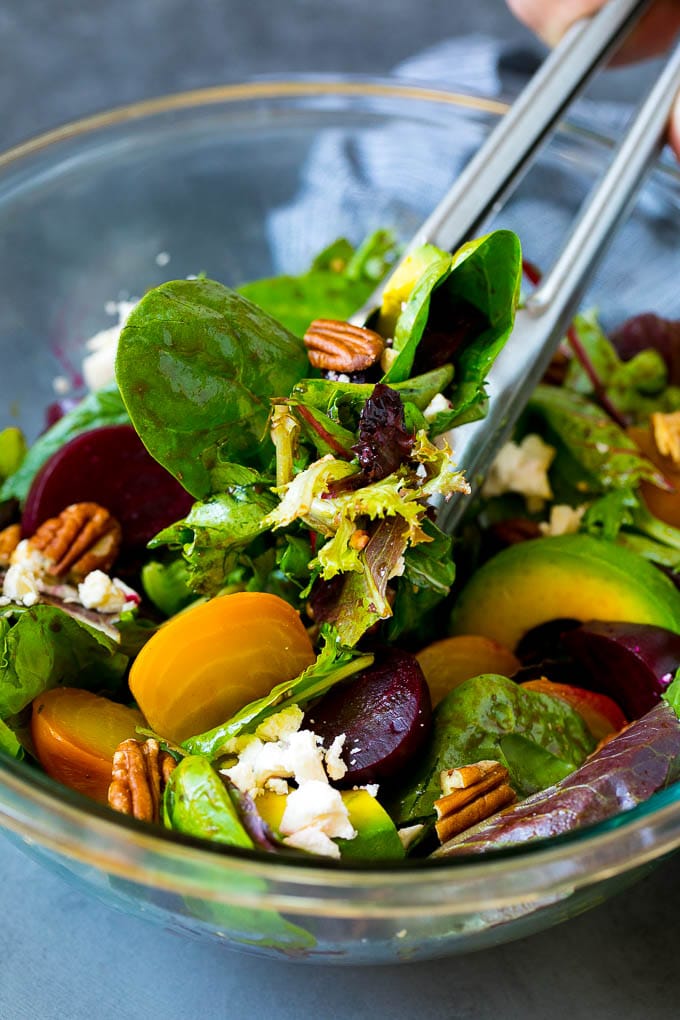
<point x="403" y="281"/>
<point x="376" y="838"/>
<point x="570" y="576"/>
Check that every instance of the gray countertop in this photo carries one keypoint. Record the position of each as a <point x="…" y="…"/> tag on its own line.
<point x="64" y="955"/>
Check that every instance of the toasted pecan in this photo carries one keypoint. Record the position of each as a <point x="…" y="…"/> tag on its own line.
<point x="471" y="794"/>
<point x="339" y="346"/>
<point x="9" y="540"/>
<point x="139" y="776"/>
<point x="84" y="537"/>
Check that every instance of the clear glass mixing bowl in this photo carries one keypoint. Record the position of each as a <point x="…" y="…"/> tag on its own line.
<point x="239" y="182"/>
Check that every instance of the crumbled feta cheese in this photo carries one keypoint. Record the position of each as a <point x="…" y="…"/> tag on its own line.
<point x="24" y="578"/>
<point x="335" y="766"/>
<point x="282" y="724"/>
<point x="371" y="788"/>
<point x="314" y="840"/>
<point x="564" y="520"/>
<point x="105" y="594"/>
<point x="388" y="358"/>
<point x="279" y="786"/>
<point x="522" y="468"/>
<point x="99" y="364"/>
<point x="437" y="404"/>
<point x="21" y="585"/>
<point x="318" y="804"/>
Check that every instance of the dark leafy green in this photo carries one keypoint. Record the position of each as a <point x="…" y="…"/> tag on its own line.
<point x="339" y="281"/>
<point x="105" y="407"/>
<point x="640" y="760"/>
<point x="167" y="585"/>
<point x="216" y="531"/>
<point x="471" y="723"/>
<point x="8" y="741"/>
<point x="606" y="454"/>
<point x="42" y="647"/>
<point x="636" y="387"/>
<point x="197" y="366"/>
<point x="197" y="803"/>
<point x="486" y="274"/>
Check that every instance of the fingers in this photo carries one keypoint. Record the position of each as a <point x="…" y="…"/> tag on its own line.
<point x="674" y="129"/>
<point x="550" y="20"/>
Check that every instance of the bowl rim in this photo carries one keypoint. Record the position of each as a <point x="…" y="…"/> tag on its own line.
<point x="585" y="856"/>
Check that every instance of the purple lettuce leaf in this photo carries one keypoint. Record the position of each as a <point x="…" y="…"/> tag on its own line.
<point x="643" y="758"/>
<point x="384" y="441"/>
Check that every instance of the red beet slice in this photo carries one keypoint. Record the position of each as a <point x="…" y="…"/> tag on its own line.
<point x="631" y="662"/>
<point x="385" y="714"/>
<point x="109" y="466"/>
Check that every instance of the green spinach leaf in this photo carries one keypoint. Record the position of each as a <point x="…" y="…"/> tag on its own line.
<point x="471" y="723"/>
<point x="197" y="367"/>
<point x="43" y="647"/>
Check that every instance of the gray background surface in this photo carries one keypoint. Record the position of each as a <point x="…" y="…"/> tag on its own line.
<point x="63" y="955"/>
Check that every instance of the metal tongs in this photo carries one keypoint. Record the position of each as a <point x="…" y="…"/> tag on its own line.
<point x="487" y="181"/>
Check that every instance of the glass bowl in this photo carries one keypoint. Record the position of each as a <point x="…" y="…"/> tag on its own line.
<point x="239" y="182"/>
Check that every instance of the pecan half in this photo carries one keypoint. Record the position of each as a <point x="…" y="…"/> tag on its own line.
<point x="666" y="432"/>
<point x="84" y="537"/>
<point x="140" y="774"/>
<point x="9" y="540"/>
<point x="471" y="794"/>
<point x="338" y="346"/>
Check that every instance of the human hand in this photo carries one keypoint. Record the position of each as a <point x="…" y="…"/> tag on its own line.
<point x="551" y="18"/>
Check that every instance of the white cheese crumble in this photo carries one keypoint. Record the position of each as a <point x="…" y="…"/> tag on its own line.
<point x="24" y="578"/>
<point x="279" y="751"/>
<point x="523" y="468"/>
<point x="438" y="403"/>
<point x="316" y="812"/>
<point x="564" y="520"/>
<point x="99" y="366"/>
<point x="105" y="594"/>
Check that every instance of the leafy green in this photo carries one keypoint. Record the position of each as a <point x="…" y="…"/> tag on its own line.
<point x="638" y="761"/>
<point x="197" y="366"/>
<point x="607" y="515"/>
<point x="8" y="741"/>
<point x="533" y="766"/>
<point x="197" y="803"/>
<point x="429" y="572"/>
<point x="343" y="402"/>
<point x="339" y="281"/>
<point x="609" y="458"/>
<point x="13" y="449"/>
<point x="333" y="663"/>
<point x="413" y="318"/>
<point x="472" y="722"/>
<point x="636" y="387"/>
<point x="42" y="647"/>
<point x="167" y="585"/>
<point x="105" y="407"/>
<point x="215" y="531"/>
<point x="672" y="694"/>
<point x="486" y="274"/>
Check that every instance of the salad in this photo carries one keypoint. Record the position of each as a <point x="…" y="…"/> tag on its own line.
<point x="227" y="607"/>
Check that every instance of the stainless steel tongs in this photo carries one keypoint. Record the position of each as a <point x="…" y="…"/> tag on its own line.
<point x="488" y="179"/>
